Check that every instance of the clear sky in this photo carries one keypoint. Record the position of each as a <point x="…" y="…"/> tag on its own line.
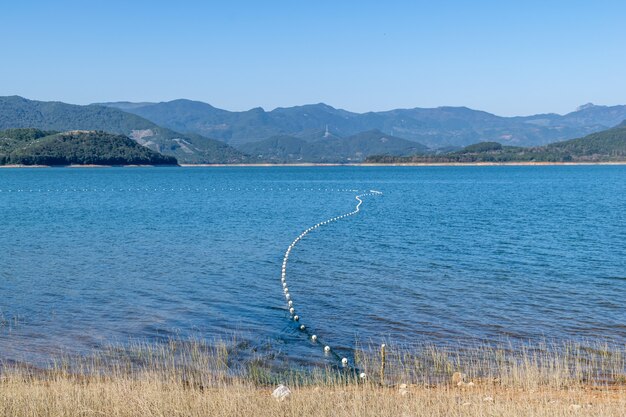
<point x="508" y="58"/>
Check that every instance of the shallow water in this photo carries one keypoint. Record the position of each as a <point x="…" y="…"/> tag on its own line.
<point x="446" y="255"/>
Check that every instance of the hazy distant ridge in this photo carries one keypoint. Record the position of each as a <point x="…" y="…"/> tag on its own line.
<point x="435" y="128"/>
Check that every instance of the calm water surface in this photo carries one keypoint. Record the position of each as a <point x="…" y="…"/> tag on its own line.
<point x="447" y="255"/>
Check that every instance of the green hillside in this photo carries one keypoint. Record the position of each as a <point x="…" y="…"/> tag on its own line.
<point x="37" y="147"/>
<point x="605" y="146"/>
<point x="609" y="144"/>
<point x="18" y="112"/>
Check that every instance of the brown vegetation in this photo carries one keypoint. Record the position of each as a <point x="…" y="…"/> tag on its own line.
<point x="194" y="379"/>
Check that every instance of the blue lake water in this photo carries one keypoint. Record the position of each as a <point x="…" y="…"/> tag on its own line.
<point x="446" y="255"/>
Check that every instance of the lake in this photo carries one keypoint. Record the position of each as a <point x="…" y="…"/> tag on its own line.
<point x="446" y="255"/>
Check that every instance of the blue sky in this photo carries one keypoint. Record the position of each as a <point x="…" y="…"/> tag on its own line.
<point x="519" y="58"/>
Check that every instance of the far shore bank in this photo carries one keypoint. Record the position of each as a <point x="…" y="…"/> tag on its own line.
<point x="417" y="164"/>
<point x="360" y="164"/>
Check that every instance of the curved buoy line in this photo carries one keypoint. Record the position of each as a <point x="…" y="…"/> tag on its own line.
<point x="283" y="277"/>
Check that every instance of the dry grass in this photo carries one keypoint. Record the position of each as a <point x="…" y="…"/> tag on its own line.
<point x="195" y="379"/>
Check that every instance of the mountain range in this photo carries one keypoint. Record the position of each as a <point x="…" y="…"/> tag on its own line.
<point x="195" y="132"/>
<point x="435" y="127"/>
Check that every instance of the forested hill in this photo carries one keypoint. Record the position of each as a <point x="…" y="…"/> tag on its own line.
<point x="37" y="147"/>
<point x="605" y="146"/>
<point x="18" y="112"/>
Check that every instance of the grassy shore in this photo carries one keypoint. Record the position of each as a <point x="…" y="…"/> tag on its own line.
<point x="197" y="379"/>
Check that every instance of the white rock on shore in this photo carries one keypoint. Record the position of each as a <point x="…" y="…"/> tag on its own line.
<point x="281" y="393"/>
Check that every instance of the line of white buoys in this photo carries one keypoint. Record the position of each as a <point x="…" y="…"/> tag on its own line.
<point x="283" y="275"/>
<point x="164" y="189"/>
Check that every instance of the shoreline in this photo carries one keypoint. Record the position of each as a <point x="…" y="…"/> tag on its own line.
<point x="360" y="164"/>
<point x="412" y="164"/>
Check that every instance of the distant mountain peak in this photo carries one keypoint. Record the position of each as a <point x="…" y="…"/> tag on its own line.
<point x="325" y="106"/>
<point x="188" y="102"/>
<point x="586" y="106"/>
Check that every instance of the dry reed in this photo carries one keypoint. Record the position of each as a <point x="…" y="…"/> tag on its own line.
<point x="194" y="378"/>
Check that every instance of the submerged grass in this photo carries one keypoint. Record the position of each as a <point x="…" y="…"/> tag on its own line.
<point x="197" y="378"/>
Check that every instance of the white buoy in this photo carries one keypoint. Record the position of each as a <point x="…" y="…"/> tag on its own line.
<point x="344" y="361"/>
<point x="296" y="317"/>
<point x="287" y="296"/>
<point x="292" y="310"/>
<point x="302" y="327"/>
<point x="314" y="338"/>
<point x="362" y="375"/>
<point x="290" y="303"/>
<point x="326" y="349"/>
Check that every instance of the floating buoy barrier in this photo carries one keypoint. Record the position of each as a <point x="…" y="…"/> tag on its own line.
<point x="302" y="235"/>
<point x="170" y="189"/>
